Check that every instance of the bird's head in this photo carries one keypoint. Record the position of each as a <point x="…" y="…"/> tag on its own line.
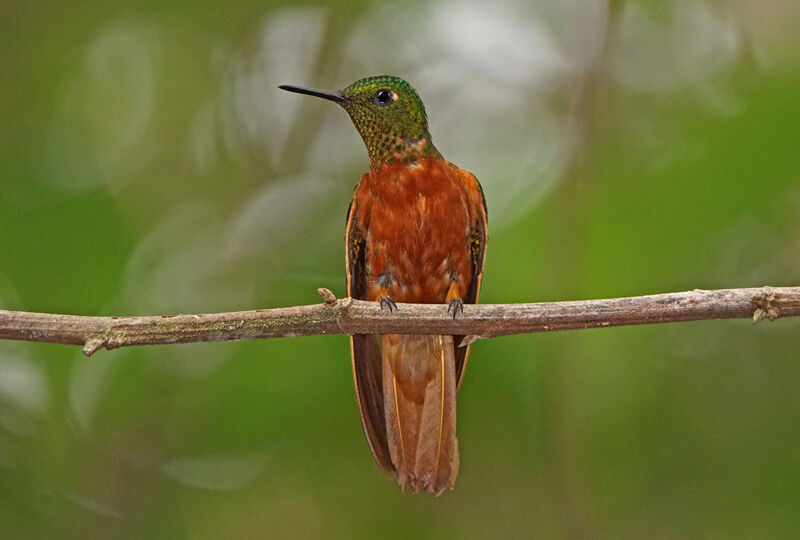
<point x="388" y="114"/>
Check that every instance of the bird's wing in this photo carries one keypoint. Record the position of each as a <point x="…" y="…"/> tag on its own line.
<point x="365" y="350"/>
<point x="479" y="236"/>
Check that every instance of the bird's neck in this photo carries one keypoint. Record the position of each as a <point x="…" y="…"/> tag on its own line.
<point x="393" y="149"/>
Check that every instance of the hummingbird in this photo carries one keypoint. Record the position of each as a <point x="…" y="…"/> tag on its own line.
<point x="416" y="232"/>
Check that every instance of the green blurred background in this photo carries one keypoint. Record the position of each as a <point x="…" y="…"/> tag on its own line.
<point x="149" y="165"/>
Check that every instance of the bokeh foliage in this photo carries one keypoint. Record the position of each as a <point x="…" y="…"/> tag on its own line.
<point x="149" y="165"/>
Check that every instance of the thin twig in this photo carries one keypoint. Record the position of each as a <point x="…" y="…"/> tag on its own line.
<point x="350" y="316"/>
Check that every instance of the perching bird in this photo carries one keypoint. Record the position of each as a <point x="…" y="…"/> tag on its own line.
<point x="416" y="232"/>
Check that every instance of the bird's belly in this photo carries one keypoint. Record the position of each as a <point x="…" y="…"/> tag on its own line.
<point x="417" y="248"/>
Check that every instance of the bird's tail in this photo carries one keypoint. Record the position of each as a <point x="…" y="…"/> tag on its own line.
<point x="419" y="387"/>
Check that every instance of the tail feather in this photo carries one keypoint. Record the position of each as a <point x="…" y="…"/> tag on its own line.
<point x="419" y="385"/>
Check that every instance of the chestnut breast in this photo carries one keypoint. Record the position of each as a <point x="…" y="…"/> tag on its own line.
<point x="416" y="218"/>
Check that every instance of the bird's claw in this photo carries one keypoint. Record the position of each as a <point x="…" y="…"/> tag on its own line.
<point x="456" y="305"/>
<point x="387" y="302"/>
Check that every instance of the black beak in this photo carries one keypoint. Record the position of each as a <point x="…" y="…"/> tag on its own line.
<point x="324" y="94"/>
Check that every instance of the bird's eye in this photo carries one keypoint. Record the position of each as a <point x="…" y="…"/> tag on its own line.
<point x="384" y="96"/>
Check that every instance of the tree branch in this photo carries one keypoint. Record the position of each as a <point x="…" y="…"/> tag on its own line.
<point x="350" y="316"/>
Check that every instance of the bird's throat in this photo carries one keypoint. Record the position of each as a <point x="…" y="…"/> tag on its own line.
<point x="394" y="149"/>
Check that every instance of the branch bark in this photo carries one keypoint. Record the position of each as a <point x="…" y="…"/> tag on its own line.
<point x="350" y="316"/>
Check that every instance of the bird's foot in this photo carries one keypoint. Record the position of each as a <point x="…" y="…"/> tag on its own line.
<point x="456" y="305"/>
<point x="387" y="302"/>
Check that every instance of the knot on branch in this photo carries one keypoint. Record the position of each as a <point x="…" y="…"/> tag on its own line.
<point x="327" y="296"/>
<point x="95" y="343"/>
<point x="766" y="305"/>
<point x="469" y="340"/>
